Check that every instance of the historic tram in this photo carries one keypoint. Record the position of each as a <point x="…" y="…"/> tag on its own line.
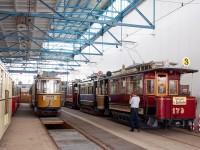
<point x="94" y="94"/>
<point x="102" y="98"/>
<point x="72" y="95"/>
<point x="164" y="101"/>
<point x="158" y="85"/>
<point x="87" y="92"/>
<point x="46" y="96"/>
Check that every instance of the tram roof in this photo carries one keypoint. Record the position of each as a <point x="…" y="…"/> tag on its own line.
<point x="179" y="70"/>
<point x="152" y="66"/>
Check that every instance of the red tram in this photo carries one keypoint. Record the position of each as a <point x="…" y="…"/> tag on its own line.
<point x="158" y="85"/>
<point x="164" y="101"/>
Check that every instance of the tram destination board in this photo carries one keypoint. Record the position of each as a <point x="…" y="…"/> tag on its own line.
<point x="49" y="97"/>
<point x="179" y="101"/>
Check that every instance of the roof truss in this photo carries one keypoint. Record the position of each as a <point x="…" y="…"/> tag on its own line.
<point x="28" y="28"/>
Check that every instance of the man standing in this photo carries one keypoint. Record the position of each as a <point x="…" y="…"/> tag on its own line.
<point x="134" y="118"/>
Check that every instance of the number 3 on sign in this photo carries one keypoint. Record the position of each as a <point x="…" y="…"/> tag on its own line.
<point x="186" y="61"/>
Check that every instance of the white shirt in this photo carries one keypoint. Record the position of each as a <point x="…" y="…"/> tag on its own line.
<point x="134" y="101"/>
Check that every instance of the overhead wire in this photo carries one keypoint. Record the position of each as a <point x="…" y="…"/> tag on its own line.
<point x="160" y="18"/>
<point x="164" y="16"/>
<point x="176" y="2"/>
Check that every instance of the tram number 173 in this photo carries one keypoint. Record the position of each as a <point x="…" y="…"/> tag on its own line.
<point x="178" y="110"/>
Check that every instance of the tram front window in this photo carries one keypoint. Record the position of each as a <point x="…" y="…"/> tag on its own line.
<point x="162" y="84"/>
<point x="48" y="86"/>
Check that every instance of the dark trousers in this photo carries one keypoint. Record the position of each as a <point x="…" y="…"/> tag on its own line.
<point x="134" y="118"/>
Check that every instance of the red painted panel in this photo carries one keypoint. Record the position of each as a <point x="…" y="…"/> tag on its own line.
<point x="15" y="104"/>
<point x="187" y="111"/>
<point x="163" y="110"/>
<point x="166" y="110"/>
<point x="150" y="100"/>
<point x="149" y="75"/>
<point x="120" y="99"/>
<point x="123" y="99"/>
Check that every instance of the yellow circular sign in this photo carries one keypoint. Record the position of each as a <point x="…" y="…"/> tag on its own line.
<point x="186" y="61"/>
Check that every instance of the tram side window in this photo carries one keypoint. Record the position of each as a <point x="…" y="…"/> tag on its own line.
<point x="184" y="90"/>
<point x="113" y="86"/>
<point x="102" y="88"/>
<point x="57" y="86"/>
<point x="150" y="86"/>
<point x="129" y="85"/>
<point x="99" y="88"/>
<point x="173" y="87"/>
<point x="137" y="84"/>
<point x="90" y="90"/>
<point x="105" y="88"/>
<point x="43" y="88"/>
<point x="84" y="90"/>
<point x="69" y="90"/>
<point x="81" y="90"/>
<point x="39" y="86"/>
<point x="122" y="87"/>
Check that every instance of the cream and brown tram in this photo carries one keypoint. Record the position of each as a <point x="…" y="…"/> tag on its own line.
<point x="46" y="96"/>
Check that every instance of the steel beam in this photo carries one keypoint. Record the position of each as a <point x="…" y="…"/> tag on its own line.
<point x="38" y="67"/>
<point x="22" y="71"/>
<point x="119" y="17"/>
<point x="114" y="37"/>
<point x="48" y="51"/>
<point x="5" y="17"/>
<point x="111" y="23"/>
<point x="43" y="63"/>
<point x="54" y="59"/>
<point x="34" y="71"/>
<point x="81" y="36"/>
<point x="64" y="40"/>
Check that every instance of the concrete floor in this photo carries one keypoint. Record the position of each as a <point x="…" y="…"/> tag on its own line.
<point x="164" y="139"/>
<point x="70" y="139"/>
<point x="107" y="140"/>
<point x="26" y="133"/>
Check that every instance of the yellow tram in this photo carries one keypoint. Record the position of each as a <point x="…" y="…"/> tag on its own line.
<point x="46" y="96"/>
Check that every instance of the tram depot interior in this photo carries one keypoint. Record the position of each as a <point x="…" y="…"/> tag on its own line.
<point x="68" y="69"/>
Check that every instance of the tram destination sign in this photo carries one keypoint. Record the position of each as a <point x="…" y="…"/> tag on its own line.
<point x="48" y="97"/>
<point x="179" y="100"/>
